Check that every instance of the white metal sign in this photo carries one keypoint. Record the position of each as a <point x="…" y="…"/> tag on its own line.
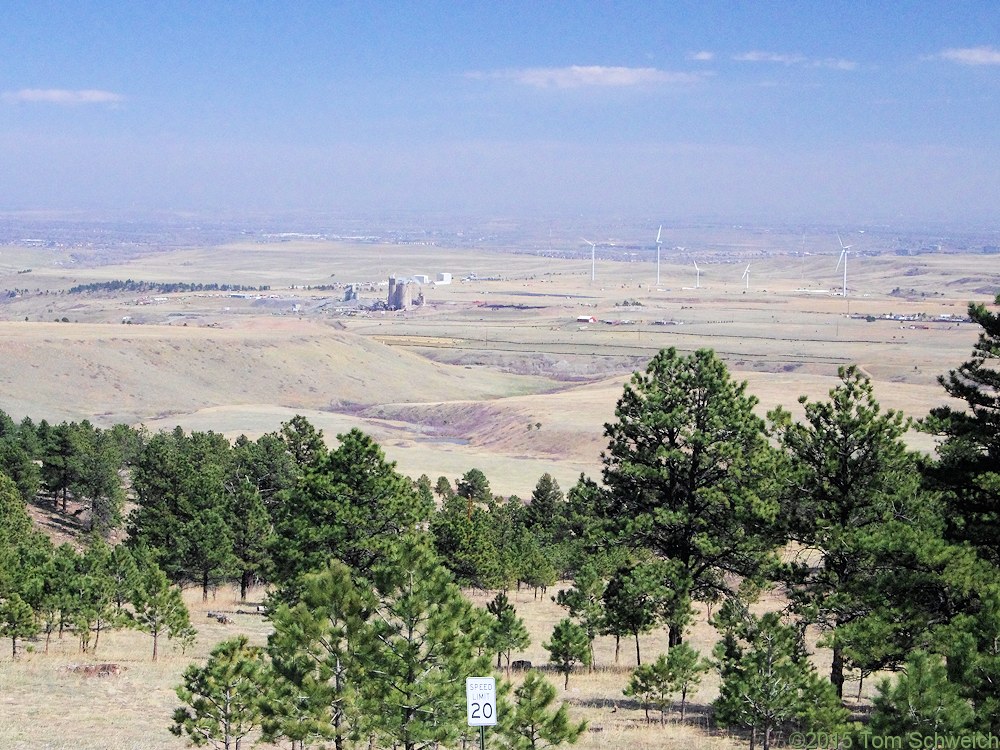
<point x="481" y="701"/>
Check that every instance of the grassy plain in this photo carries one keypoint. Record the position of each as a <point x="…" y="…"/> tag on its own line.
<point x="467" y="379"/>
<point x="494" y="372"/>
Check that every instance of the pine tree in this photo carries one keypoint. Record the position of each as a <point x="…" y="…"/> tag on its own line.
<point x="250" y="526"/>
<point x="921" y="703"/>
<point x="222" y="699"/>
<point x="851" y="476"/>
<point x="314" y="656"/>
<point x="585" y="602"/>
<point x="98" y="481"/>
<point x="304" y="442"/>
<point x="93" y="606"/>
<point x="678" y="671"/>
<point x="474" y="487"/>
<point x="351" y="504"/>
<point x="17" y="620"/>
<point x="426" y="639"/>
<point x="568" y="645"/>
<point x="443" y="488"/>
<point x="684" y="667"/>
<point x="968" y="464"/>
<point x="543" y="513"/>
<point x="507" y="631"/>
<point x="160" y="610"/>
<point x="690" y="474"/>
<point x="649" y="684"/>
<point x="636" y="598"/>
<point x="181" y="513"/>
<point x="768" y="682"/>
<point x="971" y="646"/>
<point x="532" y="725"/>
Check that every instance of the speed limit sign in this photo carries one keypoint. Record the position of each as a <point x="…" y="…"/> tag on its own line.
<point x="481" y="701"/>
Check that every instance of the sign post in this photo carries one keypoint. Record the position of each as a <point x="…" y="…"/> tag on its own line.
<point x="481" y="705"/>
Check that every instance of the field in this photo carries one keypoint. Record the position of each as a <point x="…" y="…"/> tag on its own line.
<point x="494" y="371"/>
<point x="498" y="371"/>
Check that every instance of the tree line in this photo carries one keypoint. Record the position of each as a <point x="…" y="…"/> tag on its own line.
<point x="889" y="555"/>
<point x="161" y="287"/>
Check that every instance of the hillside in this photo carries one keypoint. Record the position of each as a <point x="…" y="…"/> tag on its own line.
<point x="116" y="373"/>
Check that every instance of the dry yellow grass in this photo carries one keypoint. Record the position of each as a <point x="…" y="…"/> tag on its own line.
<point x="45" y="706"/>
<point x="445" y="388"/>
<point x="457" y="384"/>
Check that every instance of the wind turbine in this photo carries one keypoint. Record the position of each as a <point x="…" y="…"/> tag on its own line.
<point x="843" y="257"/>
<point x="746" y="277"/>
<point x="658" y="243"/>
<point x="697" y="278"/>
<point x="593" y="258"/>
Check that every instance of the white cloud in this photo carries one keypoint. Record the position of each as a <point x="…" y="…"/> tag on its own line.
<point x="63" y="96"/>
<point x="702" y="56"/>
<point x="577" y="76"/>
<point x="773" y="57"/>
<point x="972" y="55"/>
<point x="833" y="63"/>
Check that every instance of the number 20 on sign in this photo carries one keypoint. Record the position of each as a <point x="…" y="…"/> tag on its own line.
<point x="481" y="701"/>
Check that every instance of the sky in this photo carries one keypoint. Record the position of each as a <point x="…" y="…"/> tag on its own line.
<point x="667" y="111"/>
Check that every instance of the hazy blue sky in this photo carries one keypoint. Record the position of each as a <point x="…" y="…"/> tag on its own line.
<point x="827" y="110"/>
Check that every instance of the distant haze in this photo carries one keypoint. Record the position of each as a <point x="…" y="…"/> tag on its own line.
<point x="807" y="112"/>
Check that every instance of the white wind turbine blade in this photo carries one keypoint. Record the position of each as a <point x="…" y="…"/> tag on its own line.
<point x="593" y="258"/>
<point x="659" y="233"/>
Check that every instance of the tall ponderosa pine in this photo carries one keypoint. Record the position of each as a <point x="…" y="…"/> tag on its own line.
<point x="98" y="483"/>
<point x="260" y="476"/>
<point x="350" y="504"/>
<point x="852" y="489"/>
<point x="304" y="442"/>
<point x="544" y="513"/>
<point x="485" y="545"/>
<point x="182" y="512"/>
<point x="18" y="449"/>
<point x="59" y="467"/>
<point x="690" y="473"/>
<point x="968" y="464"/>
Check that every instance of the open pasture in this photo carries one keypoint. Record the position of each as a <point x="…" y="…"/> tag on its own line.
<point x="497" y="372"/>
<point x="49" y="706"/>
<point x="503" y="369"/>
